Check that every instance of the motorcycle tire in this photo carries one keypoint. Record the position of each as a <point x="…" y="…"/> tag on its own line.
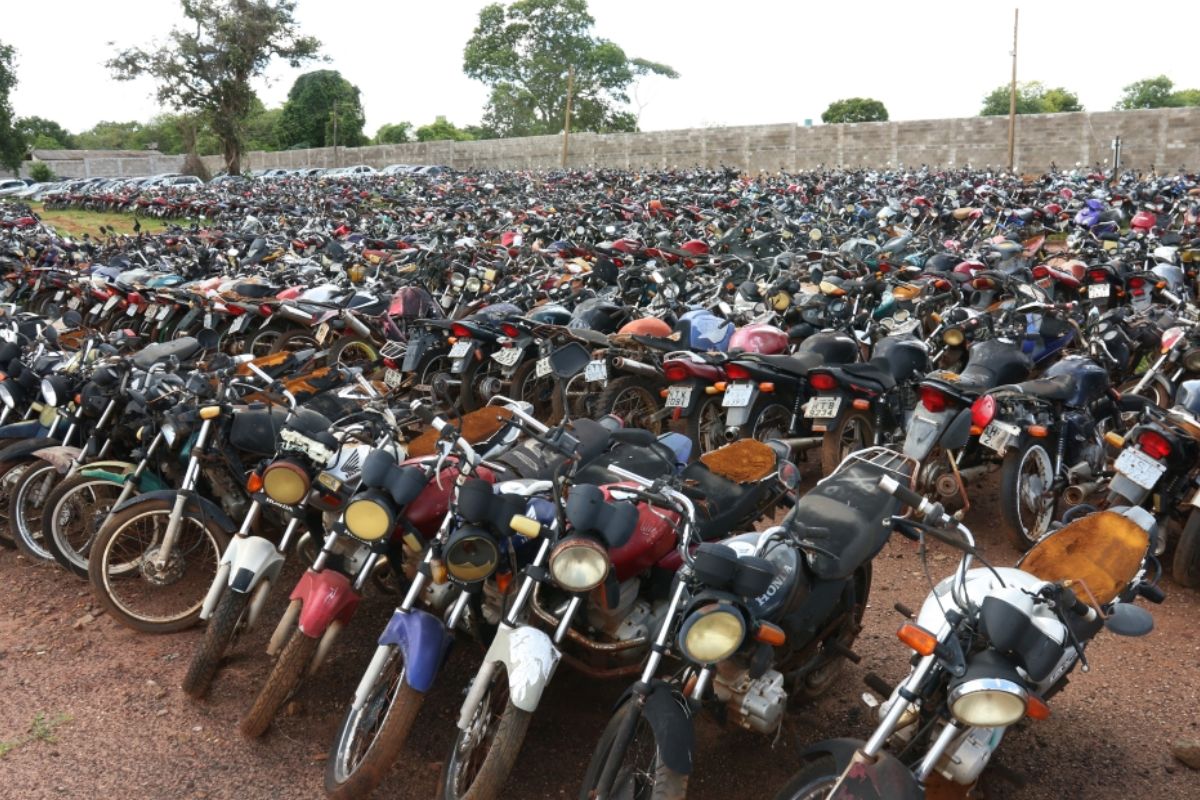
<point x="854" y="431"/>
<point x="219" y="633"/>
<point x="80" y="500"/>
<point x="1023" y="526"/>
<point x="25" y="511"/>
<point x="543" y="394"/>
<point x="507" y="726"/>
<point x="815" y="780"/>
<point x="346" y="782"/>
<point x="354" y="351"/>
<point x="635" y="402"/>
<point x="110" y="578"/>
<point x="770" y="420"/>
<point x="285" y="678"/>
<point x="668" y="784"/>
<point x="468" y="394"/>
<point x="1157" y="391"/>
<point x="706" y="426"/>
<point x="8" y="480"/>
<point x="295" y="339"/>
<point x="1185" y="566"/>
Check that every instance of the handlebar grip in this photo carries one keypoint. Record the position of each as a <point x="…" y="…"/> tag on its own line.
<point x="901" y="493"/>
<point x="423" y="412"/>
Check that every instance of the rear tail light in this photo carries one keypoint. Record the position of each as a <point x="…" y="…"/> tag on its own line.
<point x="460" y="331"/>
<point x="265" y="310"/>
<point x="1137" y="285"/>
<point x="1040" y="271"/>
<point x="1098" y="275"/>
<point x="509" y="330"/>
<point x="235" y="310"/>
<point x="983" y="411"/>
<point x="736" y="372"/>
<point x="821" y="381"/>
<point x="675" y="372"/>
<point x="934" y="399"/>
<point x="1154" y="445"/>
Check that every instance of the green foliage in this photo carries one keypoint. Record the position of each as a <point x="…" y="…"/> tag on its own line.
<point x="441" y="130"/>
<point x="41" y="172"/>
<point x="1033" y="97"/>
<point x="12" y="143"/>
<point x="1156" y="92"/>
<point x="207" y="67"/>
<point x="45" y="134"/>
<point x="855" y="109"/>
<point x="523" y="51"/>
<point x="395" y="133"/>
<point x="308" y="114"/>
<point x="40" y="730"/>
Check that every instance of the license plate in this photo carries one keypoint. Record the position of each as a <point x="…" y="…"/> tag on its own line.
<point x="163" y="313"/>
<point x="151" y="310"/>
<point x="1139" y="468"/>
<point x="507" y="356"/>
<point x="823" y="407"/>
<point x="679" y="396"/>
<point x="73" y="303"/>
<point x="1098" y="290"/>
<point x="738" y="395"/>
<point x="322" y="332"/>
<point x="997" y="434"/>
<point x="59" y="295"/>
<point x="597" y="370"/>
<point x="543" y="367"/>
<point x="131" y="310"/>
<point x="329" y="482"/>
<point x="393" y="378"/>
<point x="111" y="303"/>
<point x="460" y="349"/>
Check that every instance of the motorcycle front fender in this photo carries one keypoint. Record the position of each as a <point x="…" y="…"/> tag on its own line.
<point x="671" y="721"/>
<point x="324" y="596"/>
<point x="423" y="641"/>
<point x="250" y="560"/>
<point x="885" y="778"/>
<point x="196" y="504"/>
<point x="59" y="456"/>
<point x="529" y="657"/>
<point x="958" y="432"/>
<point x="28" y="447"/>
<point x="924" y="430"/>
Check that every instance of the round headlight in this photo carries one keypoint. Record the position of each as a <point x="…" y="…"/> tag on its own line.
<point x="170" y="433"/>
<point x="988" y="702"/>
<point x="474" y="284"/>
<point x="579" y="565"/>
<point x="285" y="482"/>
<point x="471" y="554"/>
<point x="457" y="280"/>
<point x="49" y="394"/>
<point x="1191" y="360"/>
<point x="6" y="396"/>
<point x="712" y="633"/>
<point x="366" y="518"/>
<point x="953" y="337"/>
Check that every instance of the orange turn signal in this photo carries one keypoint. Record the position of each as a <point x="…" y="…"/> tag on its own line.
<point x="720" y="386"/>
<point x="1036" y="708"/>
<point x="917" y="638"/>
<point x="254" y="483"/>
<point x="451" y="339"/>
<point x="976" y="430"/>
<point x="770" y="634"/>
<point x="663" y="393"/>
<point x="766" y="387"/>
<point x="1038" y="431"/>
<point x="1114" y="439"/>
<point x="503" y="581"/>
<point x="861" y="404"/>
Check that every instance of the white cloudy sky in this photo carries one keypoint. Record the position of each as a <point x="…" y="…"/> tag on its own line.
<point x="742" y="62"/>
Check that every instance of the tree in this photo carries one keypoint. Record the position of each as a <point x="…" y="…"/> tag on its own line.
<point x="397" y="133"/>
<point x="1033" y="97"/>
<point x="855" y="109"/>
<point x="308" y="114"/>
<point x="1156" y="92"/>
<point x="44" y="134"/>
<point x="40" y="171"/>
<point x="440" y="130"/>
<point x="523" y="53"/>
<point x="12" y="143"/>
<point x="262" y="128"/>
<point x="208" y="68"/>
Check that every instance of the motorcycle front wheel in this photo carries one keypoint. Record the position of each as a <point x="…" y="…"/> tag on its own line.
<point x="640" y="772"/>
<point x="371" y="738"/>
<point x="27" y="506"/>
<point x="1185" y="566"/>
<point x="1026" y="493"/>
<point x="219" y="633"/>
<point x="814" y="782"/>
<point x="73" y="514"/>
<point x="483" y="756"/>
<point x="285" y="678"/>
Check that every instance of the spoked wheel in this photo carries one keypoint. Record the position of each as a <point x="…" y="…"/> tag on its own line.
<point x="538" y="392"/>
<point x="72" y="517"/>
<point x="354" y="352"/>
<point x="814" y="782"/>
<point x="773" y="421"/>
<point x="638" y="772"/>
<point x="1157" y="391"/>
<point x="855" y="431"/>
<point x="220" y="632"/>
<point x="263" y="343"/>
<point x="633" y="401"/>
<point x="372" y="737"/>
<point x="134" y="587"/>
<point x="483" y="756"/>
<point x="706" y="426"/>
<point x="25" y="513"/>
<point x="1027" y="493"/>
<point x="815" y="684"/>
<point x="10" y="476"/>
<point x="294" y="340"/>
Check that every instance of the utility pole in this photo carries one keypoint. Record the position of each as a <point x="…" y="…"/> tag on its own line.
<point x="567" y="115"/>
<point x="337" y="162"/>
<point x="1012" y="96"/>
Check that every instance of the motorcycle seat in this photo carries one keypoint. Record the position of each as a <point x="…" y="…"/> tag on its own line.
<point x="871" y="372"/>
<point x="256" y="430"/>
<point x="1060" y="388"/>
<point x="798" y="364"/>
<point x="182" y="348"/>
<point x="847" y="515"/>
<point x="590" y="336"/>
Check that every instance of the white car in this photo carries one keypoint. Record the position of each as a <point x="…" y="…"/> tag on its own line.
<point x="10" y="186"/>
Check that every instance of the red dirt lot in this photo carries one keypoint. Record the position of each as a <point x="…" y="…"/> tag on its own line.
<point x="112" y="721"/>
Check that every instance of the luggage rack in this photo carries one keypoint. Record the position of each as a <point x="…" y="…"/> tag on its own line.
<point x="393" y="350"/>
<point x="901" y="467"/>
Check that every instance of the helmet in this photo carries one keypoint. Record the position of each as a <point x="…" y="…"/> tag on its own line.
<point x="646" y="326"/>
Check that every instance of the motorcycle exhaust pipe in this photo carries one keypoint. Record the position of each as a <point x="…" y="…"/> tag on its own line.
<point x="295" y="314"/>
<point x="803" y="442"/>
<point x="355" y="324"/>
<point x="1077" y="493"/>
<point x="636" y="367"/>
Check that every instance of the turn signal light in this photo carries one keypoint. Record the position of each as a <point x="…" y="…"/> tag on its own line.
<point x="254" y="483"/>
<point x="766" y="387"/>
<point x="917" y="638"/>
<point x="720" y="386"/>
<point x="1038" y="431"/>
<point x="770" y="634"/>
<point x="1114" y="439"/>
<point x="861" y="404"/>
<point x="1036" y="708"/>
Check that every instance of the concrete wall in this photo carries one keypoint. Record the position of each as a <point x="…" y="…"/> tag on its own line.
<point x="1165" y="139"/>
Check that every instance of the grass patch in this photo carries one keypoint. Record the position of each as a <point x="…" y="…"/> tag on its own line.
<point x="76" y="222"/>
<point x="40" y="730"/>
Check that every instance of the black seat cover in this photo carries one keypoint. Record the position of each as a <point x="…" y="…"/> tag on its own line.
<point x="798" y="364"/>
<point x="1060" y="388"/>
<point x="314" y="425"/>
<point x="721" y="504"/>
<point x="872" y="372"/>
<point x="182" y="348"/>
<point x="847" y="515"/>
<point x="257" y="430"/>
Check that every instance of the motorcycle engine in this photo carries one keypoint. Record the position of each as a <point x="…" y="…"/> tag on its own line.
<point x="233" y="501"/>
<point x="757" y="704"/>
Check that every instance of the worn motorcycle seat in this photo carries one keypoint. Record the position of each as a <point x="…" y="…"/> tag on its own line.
<point x="1060" y="388"/>
<point x="798" y="364"/>
<point x="182" y="348"/>
<point x="874" y="373"/>
<point x="256" y="430"/>
<point x="743" y="461"/>
<point x="1103" y="551"/>
<point x="847" y="515"/>
<point x="477" y="426"/>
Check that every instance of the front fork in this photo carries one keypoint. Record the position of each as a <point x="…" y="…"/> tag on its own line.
<point x="181" y="498"/>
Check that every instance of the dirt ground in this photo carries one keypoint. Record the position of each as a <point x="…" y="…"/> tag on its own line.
<point x="97" y="712"/>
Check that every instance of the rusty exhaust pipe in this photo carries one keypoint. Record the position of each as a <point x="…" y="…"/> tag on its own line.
<point x="1077" y="493"/>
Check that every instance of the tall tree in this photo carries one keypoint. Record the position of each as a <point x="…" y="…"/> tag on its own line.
<point x="397" y="133"/>
<point x="440" y="130"/>
<point x="12" y="143"/>
<point x="314" y="100"/>
<point x="1033" y="97"/>
<point x="1156" y="92"/>
<point x="855" y="109"/>
<point x="208" y="67"/>
<point x="44" y="134"/>
<point x="523" y="53"/>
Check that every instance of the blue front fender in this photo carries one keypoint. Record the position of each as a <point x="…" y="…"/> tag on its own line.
<point x="423" y="641"/>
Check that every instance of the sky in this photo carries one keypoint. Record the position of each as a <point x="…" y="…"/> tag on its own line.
<point x="740" y="63"/>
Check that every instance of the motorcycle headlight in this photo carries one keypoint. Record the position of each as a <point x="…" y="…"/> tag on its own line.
<point x="457" y="280"/>
<point x="988" y="702"/>
<point x="579" y="565"/>
<point x="712" y="633"/>
<point x="474" y="284"/>
<point x="368" y="518"/>
<point x="50" y="392"/>
<point x="170" y="434"/>
<point x="471" y="554"/>
<point x="953" y="337"/>
<point x="1191" y="360"/>
<point x="286" y="483"/>
<point x="6" y="396"/>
